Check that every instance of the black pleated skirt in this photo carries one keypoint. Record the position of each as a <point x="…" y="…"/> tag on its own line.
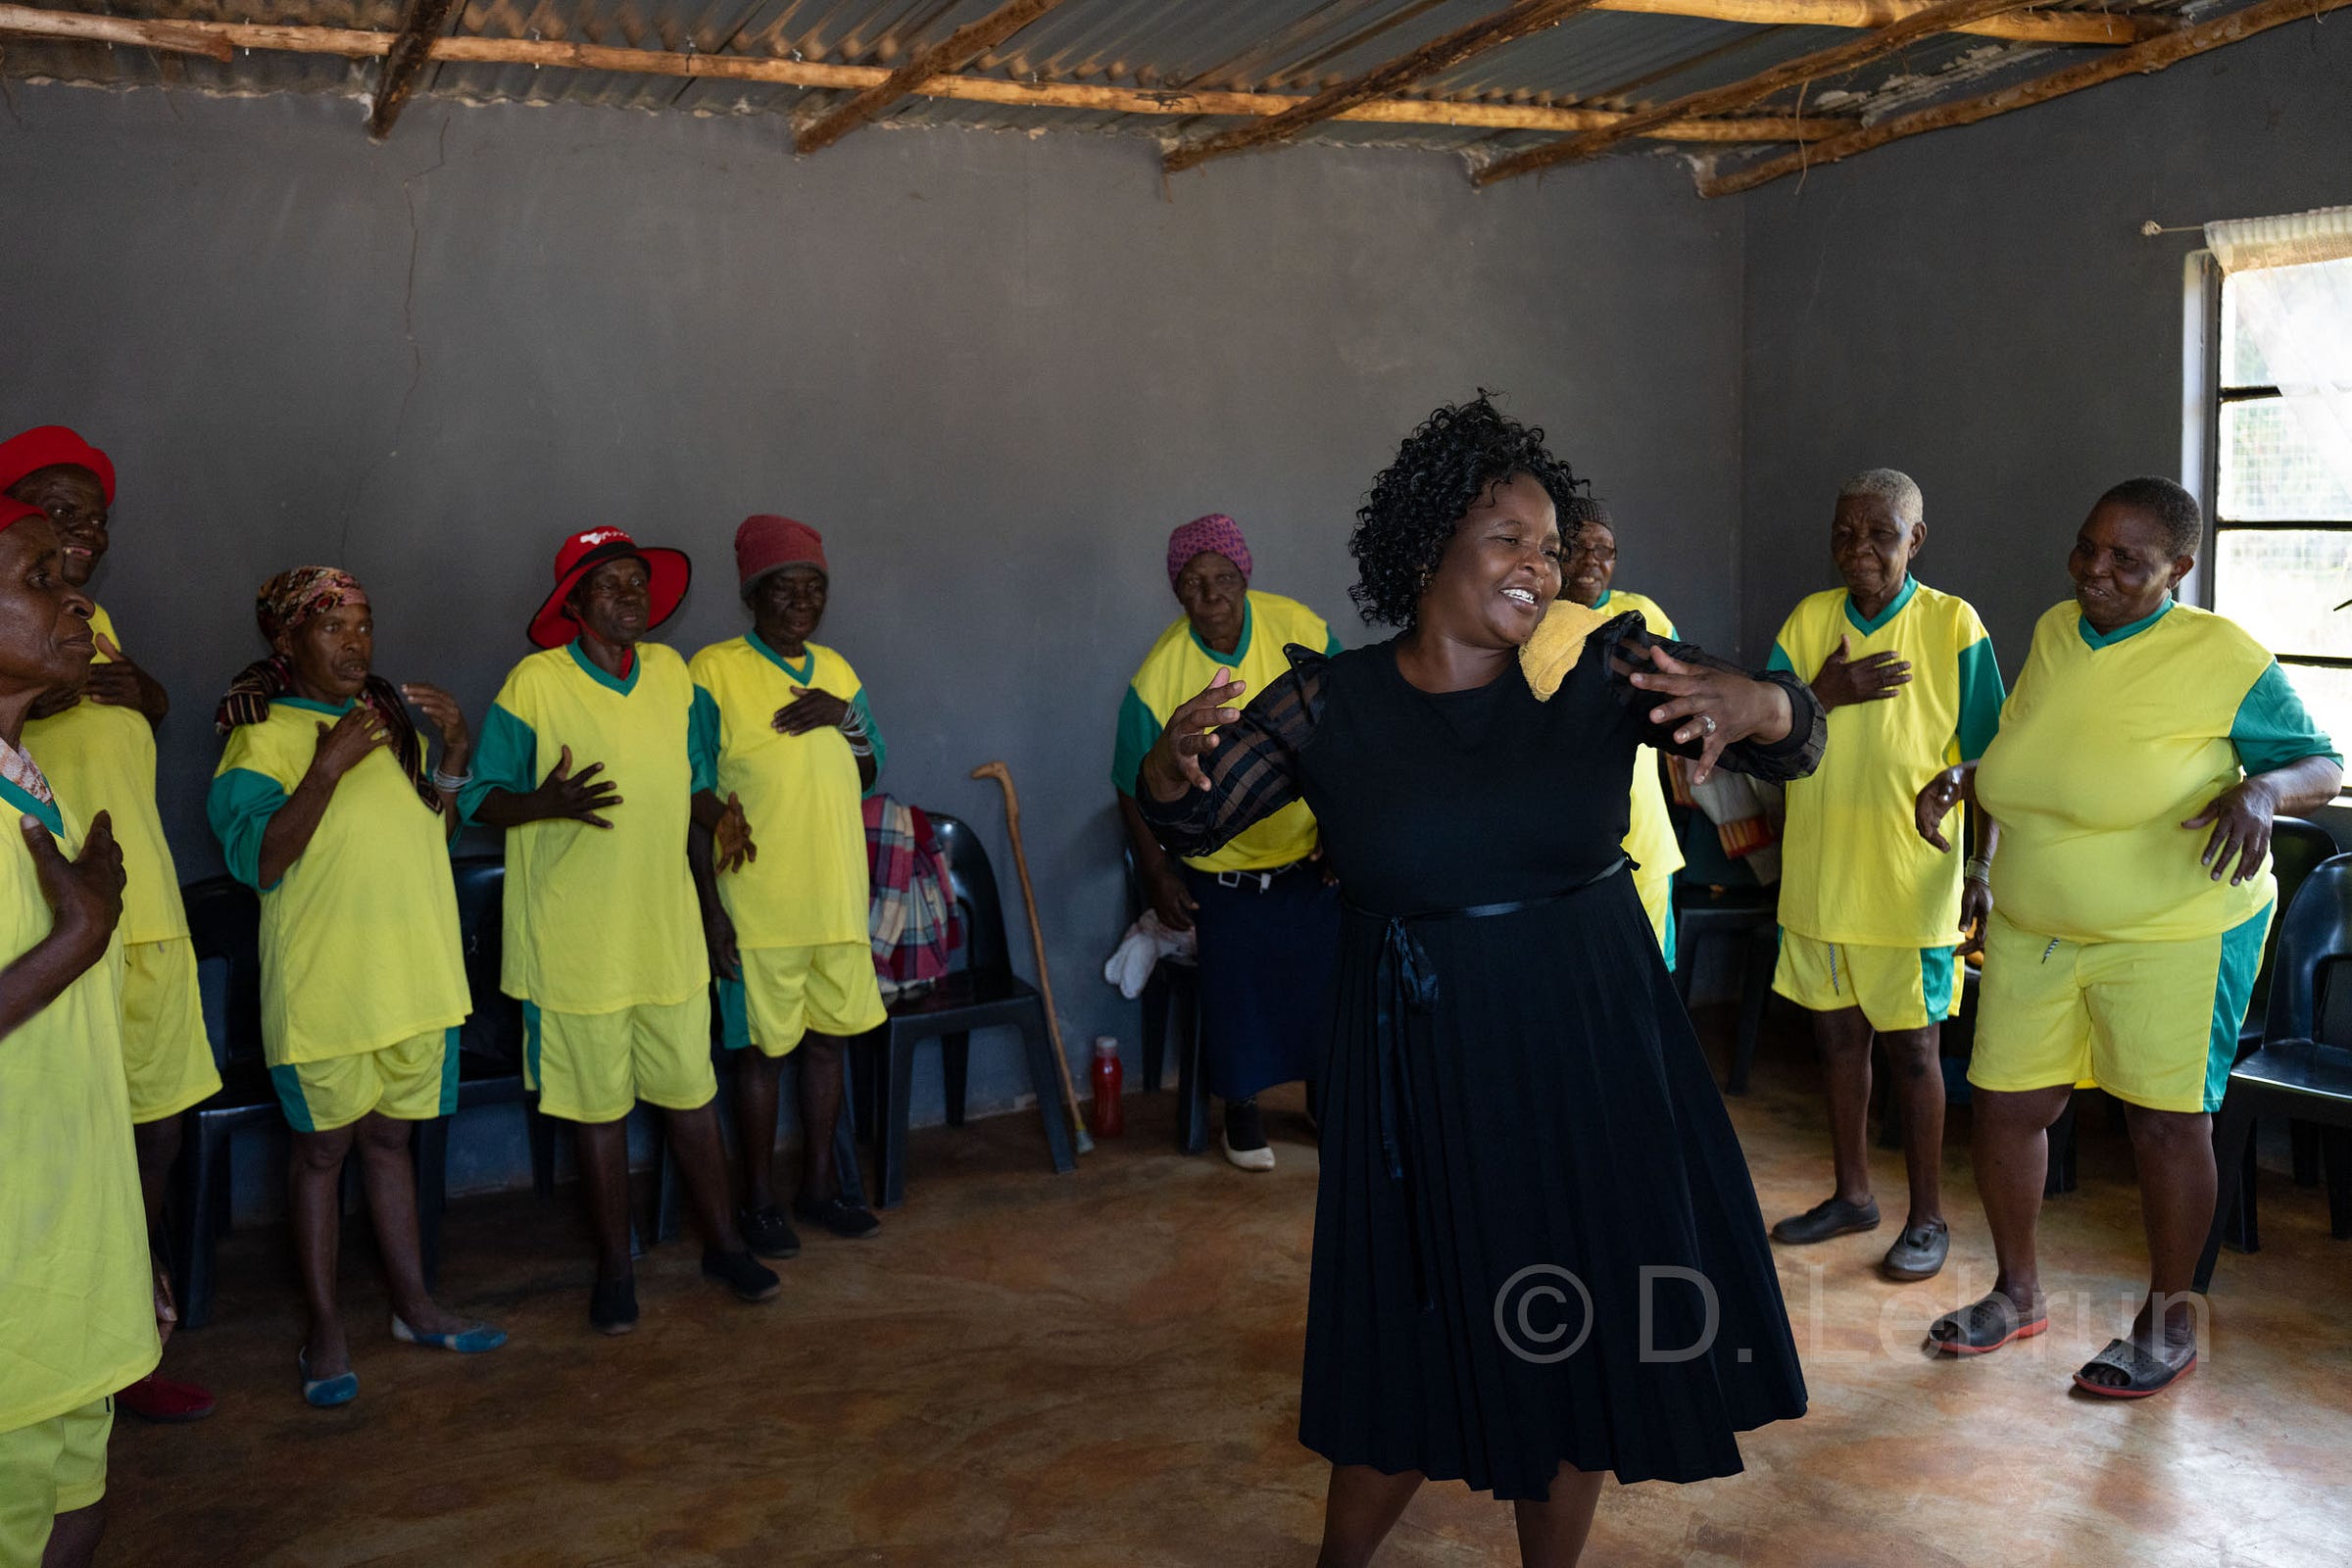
<point x="1536" y="1238"/>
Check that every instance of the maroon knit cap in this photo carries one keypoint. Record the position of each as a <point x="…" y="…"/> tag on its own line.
<point x="1216" y="532"/>
<point x="769" y="543"/>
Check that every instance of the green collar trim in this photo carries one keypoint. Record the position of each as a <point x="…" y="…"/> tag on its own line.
<point x="51" y="818"/>
<point x="1240" y="650"/>
<point x="2108" y="639"/>
<point x="805" y="674"/>
<point x="1603" y="600"/>
<point x="310" y="707"/>
<point x="1895" y="607"/>
<point x="624" y="684"/>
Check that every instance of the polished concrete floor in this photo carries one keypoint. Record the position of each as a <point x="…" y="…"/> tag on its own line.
<point x="1102" y="1369"/>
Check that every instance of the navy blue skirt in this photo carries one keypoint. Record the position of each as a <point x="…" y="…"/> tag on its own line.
<point x="1266" y="964"/>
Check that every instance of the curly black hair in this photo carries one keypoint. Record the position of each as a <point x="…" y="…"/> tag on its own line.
<point x="1459" y="454"/>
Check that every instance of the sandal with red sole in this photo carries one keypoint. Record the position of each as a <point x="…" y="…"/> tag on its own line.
<point x="1983" y="1327"/>
<point x="2143" y="1373"/>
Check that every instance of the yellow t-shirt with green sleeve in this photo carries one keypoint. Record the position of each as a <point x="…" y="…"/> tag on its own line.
<point x="77" y="1301"/>
<point x="359" y="946"/>
<point x="1649" y="841"/>
<point x="101" y="757"/>
<point x="2108" y="745"/>
<point x="1179" y="667"/>
<point x="1853" y="867"/>
<point x="598" y="919"/>
<point x="800" y="793"/>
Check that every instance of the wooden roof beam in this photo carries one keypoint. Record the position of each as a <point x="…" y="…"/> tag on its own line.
<point x="2141" y="58"/>
<point x="1886" y="41"/>
<point x="1438" y="54"/>
<point x="2025" y="27"/>
<point x="23" y="21"/>
<point x="412" y="47"/>
<point x="952" y="53"/>
<point x="219" y="38"/>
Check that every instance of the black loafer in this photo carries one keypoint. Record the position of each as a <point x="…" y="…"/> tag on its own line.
<point x="766" y="1232"/>
<point x="840" y="1216"/>
<point x="741" y="1273"/>
<point x="1918" y="1253"/>
<point x="1831" y="1216"/>
<point x="612" y="1306"/>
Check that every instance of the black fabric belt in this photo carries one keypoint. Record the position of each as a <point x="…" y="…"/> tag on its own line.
<point x="1407" y="986"/>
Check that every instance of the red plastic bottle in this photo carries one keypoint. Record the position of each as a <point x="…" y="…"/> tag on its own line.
<point x="1109" y="1118"/>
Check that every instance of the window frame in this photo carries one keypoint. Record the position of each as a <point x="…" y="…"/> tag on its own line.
<point x="2202" y="438"/>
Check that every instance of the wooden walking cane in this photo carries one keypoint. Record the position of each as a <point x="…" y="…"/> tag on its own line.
<point x="1037" y="940"/>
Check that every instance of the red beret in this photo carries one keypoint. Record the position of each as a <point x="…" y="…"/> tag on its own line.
<point x="12" y="513"/>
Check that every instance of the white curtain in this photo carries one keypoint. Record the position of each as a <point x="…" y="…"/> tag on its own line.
<point x="2291" y="282"/>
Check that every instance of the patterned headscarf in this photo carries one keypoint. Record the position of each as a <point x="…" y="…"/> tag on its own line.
<point x="283" y="606"/>
<point x="1216" y="532"/>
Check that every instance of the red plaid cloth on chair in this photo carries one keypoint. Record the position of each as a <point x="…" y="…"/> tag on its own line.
<point x="912" y="920"/>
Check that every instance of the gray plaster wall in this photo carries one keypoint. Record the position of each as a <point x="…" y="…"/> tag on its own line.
<point x="1978" y="307"/>
<point x="993" y="370"/>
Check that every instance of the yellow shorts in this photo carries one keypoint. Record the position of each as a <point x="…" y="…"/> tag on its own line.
<point x="1896" y="988"/>
<point x="2151" y="1022"/>
<point x="166" y="1054"/>
<point x="1657" y="902"/>
<point x="412" y="1080"/>
<point x="786" y="992"/>
<point x="595" y="1066"/>
<point x="51" y="1467"/>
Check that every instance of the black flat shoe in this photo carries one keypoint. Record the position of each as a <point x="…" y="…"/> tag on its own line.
<point x="741" y="1273"/>
<point x="766" y="1232"/>
<point x="612" y="1306"/>
<point x="1831" y="1216"/>
<point x="840" y="1216"/>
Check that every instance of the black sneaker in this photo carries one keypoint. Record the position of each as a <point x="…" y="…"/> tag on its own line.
<point x="767" y="1231"/>
<point x="612" y="1306"/>
<point x="741" y="1273"/>
<point x="839" y="1215"/>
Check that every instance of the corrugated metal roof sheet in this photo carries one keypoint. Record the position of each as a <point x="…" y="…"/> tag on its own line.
<point x="1601" y="59"/>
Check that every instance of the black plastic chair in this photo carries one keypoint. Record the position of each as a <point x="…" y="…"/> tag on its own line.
<point x="1172" y="994"/>
<point x="2297" y="846"/>
<point x="984" y="994"/>
<point x="2304" y="1066"/>
<point x="2297" y="849"/>
<point x="225" y="923"/>
<point x="1717" y="899"/>
<point x="490" y="1050"/>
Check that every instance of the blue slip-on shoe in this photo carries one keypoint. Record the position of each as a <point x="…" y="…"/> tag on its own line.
<point x="326" y="1392"/>
<point x="467" y="1341"/>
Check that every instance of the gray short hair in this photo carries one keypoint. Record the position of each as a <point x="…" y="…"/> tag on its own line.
<point x="1898" y="490"/>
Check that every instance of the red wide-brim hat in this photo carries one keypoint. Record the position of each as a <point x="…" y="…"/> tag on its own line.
<point x="667" y="573"/>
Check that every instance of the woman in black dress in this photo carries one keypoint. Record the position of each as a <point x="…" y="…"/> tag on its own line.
<point x="1537" y="1256"/>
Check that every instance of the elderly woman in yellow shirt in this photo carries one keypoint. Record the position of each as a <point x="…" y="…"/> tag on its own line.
<point x="1588" y="578"/>
<point x="2139" y="763"/>
<point x="1268" y="922"/>
<point x="323" y="806"/>
<point x="78" y="1310"/>
<point x="97" y="745"/>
